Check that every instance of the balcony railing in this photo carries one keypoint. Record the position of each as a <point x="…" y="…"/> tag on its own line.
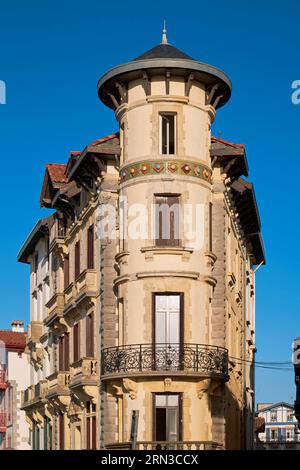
<point x="3" y="421"/>
<point x="178" y="445"/>
<point x="188" y="358"/>
<point x="3" y="379"/>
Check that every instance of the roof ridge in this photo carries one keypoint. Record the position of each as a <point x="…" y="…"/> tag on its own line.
<point x="227" y="142"/>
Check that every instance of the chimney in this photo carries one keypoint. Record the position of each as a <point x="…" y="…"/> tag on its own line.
<point x="17" y="326"/>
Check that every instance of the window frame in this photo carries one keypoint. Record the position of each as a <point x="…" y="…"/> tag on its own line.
<point x="158" y="222"/>
<point x="163" y="114"/>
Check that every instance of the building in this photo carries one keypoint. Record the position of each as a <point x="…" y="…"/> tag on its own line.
<point x="296" y="354"/>
<point x="151" y="262"/>
<point x="14" y="377"/>
<point x="281" y="426"/>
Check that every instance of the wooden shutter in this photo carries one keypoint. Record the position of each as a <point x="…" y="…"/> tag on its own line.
<point x="66" y="271"/>
<point x="170" y="220"/>
<point x="66" y="351"/>
<point x="90" y="335"/>
<point x="61" y="353"/>
<point x="77" y="259"/>
<point x="90" y="247"/>
<point x="76" y="351"/>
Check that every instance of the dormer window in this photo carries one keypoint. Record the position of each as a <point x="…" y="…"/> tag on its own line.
<point x="167" y="133"/>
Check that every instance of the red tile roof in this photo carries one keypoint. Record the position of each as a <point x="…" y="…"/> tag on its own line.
<point x="104" y="139"/>
<point x="57" y="172"/>
<point x="13" y="339"/>
<point x="226" y="142"/>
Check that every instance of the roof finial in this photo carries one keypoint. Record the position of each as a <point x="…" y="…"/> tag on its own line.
<point x="164" y="39"/>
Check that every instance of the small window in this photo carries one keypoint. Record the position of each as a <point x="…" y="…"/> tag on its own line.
<point x="167" y="221"/>
<point x="273" y="416"/>
<point x="290" y="416"/>
<point x="168" y="133"/>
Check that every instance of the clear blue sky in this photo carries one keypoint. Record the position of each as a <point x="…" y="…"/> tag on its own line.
<point x="51" y="56"/>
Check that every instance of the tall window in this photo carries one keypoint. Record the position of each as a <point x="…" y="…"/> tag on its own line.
<point x="90" y="247"/>
<point x="66" y="271"/>
<point x="76" y="342"/>
<point x="90" y="335"/>
<point x="47" y="434"/>
<point x="167" y="221"/>
<point x="167" y="422"/>
<point x="91" y="429"/>
<point x="77" y="259"/>
<point x="274" y="434"/>
<point x="168" y="133"/>
<point x="64" y="352"/>
<point x="61" y="427"/>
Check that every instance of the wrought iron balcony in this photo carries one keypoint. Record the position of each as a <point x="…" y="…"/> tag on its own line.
<point x="188" y="359"/>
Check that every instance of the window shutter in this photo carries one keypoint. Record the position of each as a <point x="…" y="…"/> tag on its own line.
<point x="167" y="224"/>
<point x="174" y="220"/>
<point x="90" y="335"/>
<point x="61" y="353"/>
<point x="67" y="351"/>
<point x="77" y="259"/>
<point x="76" y="351"/>
<point x="66" y="272"/>
<point x="90" y="247"/>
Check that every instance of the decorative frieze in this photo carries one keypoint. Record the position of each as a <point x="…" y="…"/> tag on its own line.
<point x="165" y="167"/>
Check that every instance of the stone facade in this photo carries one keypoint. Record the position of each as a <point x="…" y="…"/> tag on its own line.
<point x="173" y="317"/>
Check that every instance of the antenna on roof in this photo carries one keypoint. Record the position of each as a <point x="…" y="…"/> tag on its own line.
<point x="164" y="39"/>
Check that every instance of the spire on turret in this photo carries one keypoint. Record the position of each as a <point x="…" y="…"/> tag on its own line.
<point x="164" y="39"/>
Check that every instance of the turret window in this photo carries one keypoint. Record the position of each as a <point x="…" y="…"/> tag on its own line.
<point x="167" y="220"/>
<point x="168" y="133"/>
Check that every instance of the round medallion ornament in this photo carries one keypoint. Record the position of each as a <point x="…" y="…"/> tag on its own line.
<point x="186" y="168"/>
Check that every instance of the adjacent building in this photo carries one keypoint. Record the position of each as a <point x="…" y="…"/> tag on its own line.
<point x="143" y="279"/>
<point x="281" y="426"/>
<point x="14" y="377"/>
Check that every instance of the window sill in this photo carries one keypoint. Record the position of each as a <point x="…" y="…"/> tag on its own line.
<point x="150" y="251"/>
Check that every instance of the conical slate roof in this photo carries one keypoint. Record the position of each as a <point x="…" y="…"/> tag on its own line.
<point x="157" y="60"/>
<point x="164" y="51"/>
